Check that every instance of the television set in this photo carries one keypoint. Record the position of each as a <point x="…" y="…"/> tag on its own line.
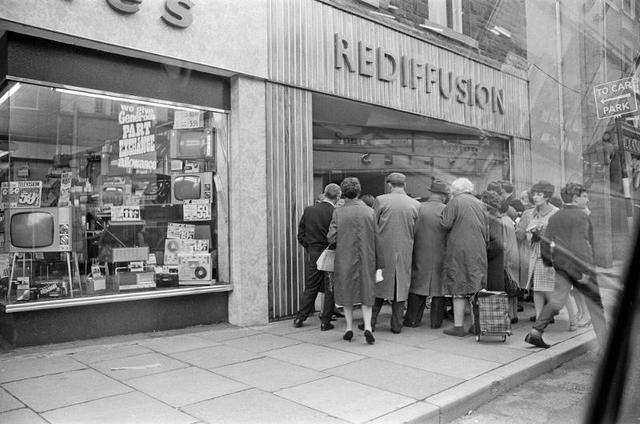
<point x="39" y="229"/>
<point x="192" y="144"/>
<point x="192" y="188"/>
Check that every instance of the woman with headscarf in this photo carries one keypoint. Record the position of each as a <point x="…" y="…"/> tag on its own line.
<point x="353" y="233"/>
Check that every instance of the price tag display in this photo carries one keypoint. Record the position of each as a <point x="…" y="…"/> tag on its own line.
<point x="180" y="231"/>
<point x="125" y="213"/>
<point x="187" y="119"/>
<point x="196" y="211"/>
<point x="22" y="194"/>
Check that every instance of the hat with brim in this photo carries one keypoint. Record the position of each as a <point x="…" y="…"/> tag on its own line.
<point x="438" y="186"/>
<point x="396" y="178"/>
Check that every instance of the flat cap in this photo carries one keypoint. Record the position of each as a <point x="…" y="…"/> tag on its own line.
<point x="396" y="178"/>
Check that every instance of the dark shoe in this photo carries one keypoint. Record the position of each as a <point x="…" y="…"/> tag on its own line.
<point x="535" y="339"/>
<point x="396" y="331"/>
<point x="369" y="337"/>
<point x="514" y="320"/>
<point x="532" y="319"/>
<point x="361" y="327"/>
<point x="326" y="326"/>
<point x="520" y="308"/>
<point x="297" y="323"/>
<point x="455" y="331"/>
<point x="434" y="326"/>
<point x="348" y="336"/>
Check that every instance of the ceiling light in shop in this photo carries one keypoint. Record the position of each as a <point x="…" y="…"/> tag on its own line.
<point x="9" y="93"/>
<point x="123" y="99"/>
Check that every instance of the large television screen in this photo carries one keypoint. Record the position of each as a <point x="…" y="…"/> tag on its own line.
<point x="32" y="229"/>
<point x="187" y="187"/>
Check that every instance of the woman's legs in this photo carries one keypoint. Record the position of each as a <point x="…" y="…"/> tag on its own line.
<point x="539" y="300"/>
<point x="572" y="311"/>
<point x="581" y="304"/>
<point x="348" y="316"/>
<point x="366" y="315"/>
<point x="459" y="307"/>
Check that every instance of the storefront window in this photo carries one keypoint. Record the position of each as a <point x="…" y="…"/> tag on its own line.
<point x="103" y="194"/>
<point x="343" y="147"/>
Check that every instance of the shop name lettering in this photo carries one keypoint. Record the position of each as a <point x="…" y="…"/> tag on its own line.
<point x="415" y="74"/>
<point x="177" y="13"/>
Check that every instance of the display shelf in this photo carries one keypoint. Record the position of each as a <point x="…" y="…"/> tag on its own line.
<point x="113" y="298"/>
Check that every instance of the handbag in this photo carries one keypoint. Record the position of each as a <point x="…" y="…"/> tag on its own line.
<point x="326" y="259"/>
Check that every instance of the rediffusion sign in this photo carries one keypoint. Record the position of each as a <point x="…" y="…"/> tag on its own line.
<point x="416" y="74"/>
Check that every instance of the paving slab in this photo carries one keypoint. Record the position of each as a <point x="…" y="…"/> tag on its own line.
<point x="320" y="337"/>
<point x="260" y="342"/>
<point x="449" y="364"/>
<point x="419" y="412"/>
<point x="8" y="402"/>
<point x="185" y="386"/>
<point x="138" y="366"/>
<point x="313" y="356"/>
<point x="218" y="335"/>
<point x="269" y="374"/>
<point x="282" y="328"/>
<point x="129" y="408"/>
<point x="396" y="378"/>
<point x="21" y="368"/>
<point x="91" y="356"/>
<point x="379" y="349"/>
<point x="214" y="357"/>
<point x="179" y="343"/>
<point x="494" y="351"/>
<point x="58" y="390"/>
<point x="21" y="416"/>
<point x="344" y="399"/>
<point x="256" y="406"/>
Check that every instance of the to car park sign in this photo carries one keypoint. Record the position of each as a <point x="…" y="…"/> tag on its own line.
<point x="615" y="98"/>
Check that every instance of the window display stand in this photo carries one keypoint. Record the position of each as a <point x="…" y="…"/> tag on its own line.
<point x="68" y="257"/>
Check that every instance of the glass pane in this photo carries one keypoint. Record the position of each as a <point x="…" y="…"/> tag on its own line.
<point x="103" y="194"/>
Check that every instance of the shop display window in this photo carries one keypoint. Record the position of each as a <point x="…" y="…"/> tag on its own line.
<point x="370" y="153"/>
<point x="105" y="194"/>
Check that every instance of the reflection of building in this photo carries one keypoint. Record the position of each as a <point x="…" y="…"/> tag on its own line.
<point x="578" y="49"/>
<point x="314" y="90"/>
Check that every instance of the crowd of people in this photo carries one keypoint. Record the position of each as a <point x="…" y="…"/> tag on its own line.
<point x="445" y="249"/>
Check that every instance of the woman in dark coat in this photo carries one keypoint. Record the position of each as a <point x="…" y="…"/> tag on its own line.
<point x="464" y="269"/>
<point x="352" y="232"/>
<point x="495" y="247"/>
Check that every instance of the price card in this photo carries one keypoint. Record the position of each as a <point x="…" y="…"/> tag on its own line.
<point x="21" y="194"/>
<point x="187" y="119"/>
<point x="180" y="231"/>
<point x="125" y="213"/>
<point x="196" y="211"/>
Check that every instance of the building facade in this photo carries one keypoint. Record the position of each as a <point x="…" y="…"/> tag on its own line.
<point x="183" y="141"/>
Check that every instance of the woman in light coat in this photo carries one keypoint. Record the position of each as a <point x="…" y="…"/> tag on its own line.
<point x="353" y="233"/>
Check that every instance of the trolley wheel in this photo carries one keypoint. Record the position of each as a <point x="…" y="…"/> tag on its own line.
<point x="504" y="338"/>
<point x="477" y="338"/>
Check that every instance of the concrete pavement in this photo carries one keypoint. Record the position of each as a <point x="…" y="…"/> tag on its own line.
<point x="274" y="373"/>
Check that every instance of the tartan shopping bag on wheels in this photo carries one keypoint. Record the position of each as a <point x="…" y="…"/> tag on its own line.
<point x="491" y="314"/>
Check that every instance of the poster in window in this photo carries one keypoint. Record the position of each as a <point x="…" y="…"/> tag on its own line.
<point x="21" y="194"/>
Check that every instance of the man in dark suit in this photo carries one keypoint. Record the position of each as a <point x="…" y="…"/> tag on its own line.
<point x="312" y="235"/>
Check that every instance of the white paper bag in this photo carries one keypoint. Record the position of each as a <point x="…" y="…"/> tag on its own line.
<point x="379" y="277"/>
<point x="325" y="261"/>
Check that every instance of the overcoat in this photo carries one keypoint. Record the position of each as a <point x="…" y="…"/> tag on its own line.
<point x="495" y="254"/>
<point x="396" y="214"/>
<point x="352" y="230"/>
<point x="428" y="250"/>
<point x="464" y="269"/>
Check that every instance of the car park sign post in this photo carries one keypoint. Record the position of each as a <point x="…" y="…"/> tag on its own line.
<point x="616" y="98"/>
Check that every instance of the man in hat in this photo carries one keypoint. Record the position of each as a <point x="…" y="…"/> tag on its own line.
<point x="312" y="235"/>
<point x="395" y="214"/>
<point x="428" y="252"/>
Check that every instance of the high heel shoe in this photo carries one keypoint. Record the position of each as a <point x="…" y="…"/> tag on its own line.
<point x="348" y="336"/>
<point x="369" y="337"/>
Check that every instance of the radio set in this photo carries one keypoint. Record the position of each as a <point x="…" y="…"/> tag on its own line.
<point x="194" y="268"/>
